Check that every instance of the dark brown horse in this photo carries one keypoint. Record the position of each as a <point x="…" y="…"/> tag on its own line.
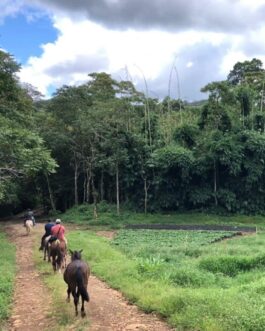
<point x="57" y="250"/>
<point x="76" y="277"/>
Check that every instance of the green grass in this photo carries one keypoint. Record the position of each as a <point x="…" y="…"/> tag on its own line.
<point x="62" y="313"/>
<point x="217" y="286"/>
<point x="7" y="277"/>
<point x="107" y="218"/>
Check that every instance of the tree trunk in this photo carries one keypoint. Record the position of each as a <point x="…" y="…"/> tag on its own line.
<point x="76" y="182"/>
<point x="117" y="190"/>
<point x="94" y="193"/>
<point x="145" y="195"/>
<point x="50" y="193"/>
<point x="88" y="175"/>
<point x="84" y="189"/>
<point x="102" y="193"/>
<point x="215" y="184"/>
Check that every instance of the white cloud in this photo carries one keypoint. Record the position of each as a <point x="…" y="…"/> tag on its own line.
<point x="214" y="15"/>
<point x="10" y="8"/>
<point x="189" y="64"/>
<point x="146" y="49"/>
<point x="83" y="47"/>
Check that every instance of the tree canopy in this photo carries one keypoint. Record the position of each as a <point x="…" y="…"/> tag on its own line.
<point x="113" y="143"/>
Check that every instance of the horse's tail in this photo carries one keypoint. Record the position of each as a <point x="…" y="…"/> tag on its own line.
<point x="80" y="285"/>
<point x="59" y="257"/>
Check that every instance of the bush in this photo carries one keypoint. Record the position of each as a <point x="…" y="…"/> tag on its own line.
<point x="227" y="265"/>
<point x="190" y="277"/>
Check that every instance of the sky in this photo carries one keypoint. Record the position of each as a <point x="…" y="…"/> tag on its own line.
<point x="165" y="47"/>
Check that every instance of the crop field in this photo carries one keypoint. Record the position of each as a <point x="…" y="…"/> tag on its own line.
<point x="206" y="272"/>
<point x="194" y="281"/>
<point x="131" y="240"/>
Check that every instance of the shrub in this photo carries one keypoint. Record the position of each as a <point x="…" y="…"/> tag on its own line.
<point x="227" y="265"/>
<point x="190" y="277"/>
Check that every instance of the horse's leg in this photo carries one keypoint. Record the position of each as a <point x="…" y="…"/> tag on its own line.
<point x="68" y="294"/>
<point x="54" y="262"/>
<point x="49" y="253"/>
<point x="83" y="313"/>
<point x="74" y="294"/>
<point x="59" y="260"/>
<point x="44" y="252"/>
<point x="64" y="261"/>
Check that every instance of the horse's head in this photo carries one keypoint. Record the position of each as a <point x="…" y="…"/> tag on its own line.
<point x="76" y="255"/>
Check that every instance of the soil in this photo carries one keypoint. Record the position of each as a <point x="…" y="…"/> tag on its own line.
<point x="108" y="310"/>
<point x="242" y="229"/>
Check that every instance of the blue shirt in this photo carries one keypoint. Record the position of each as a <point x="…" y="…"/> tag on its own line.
<point x="48" y="228"/>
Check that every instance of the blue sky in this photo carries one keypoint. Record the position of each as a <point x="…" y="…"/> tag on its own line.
<point x="194" y="42"/>
<point x="23" y="37"/>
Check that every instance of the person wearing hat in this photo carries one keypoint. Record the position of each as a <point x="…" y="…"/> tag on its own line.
<point x="58" y="231"/>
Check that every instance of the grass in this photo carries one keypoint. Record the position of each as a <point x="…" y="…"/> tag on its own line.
<point x="220" y="288"/>
<point x="108" y="218"/>
<point x="61" y="312"/>
<point x="193" y="284"/>
<point x="7" y="277"/>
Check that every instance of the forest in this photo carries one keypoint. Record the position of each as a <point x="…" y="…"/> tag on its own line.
<point x="106" y="141"/>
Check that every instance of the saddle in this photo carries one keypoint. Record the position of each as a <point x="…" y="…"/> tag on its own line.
<point x="52" y="239"/>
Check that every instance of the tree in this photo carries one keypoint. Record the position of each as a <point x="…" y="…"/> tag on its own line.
<point x="22" y="151"/>
<point x="245" y="71"/>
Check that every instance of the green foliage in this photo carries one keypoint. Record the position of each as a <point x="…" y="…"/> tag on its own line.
<point x="243" y="71"/>
<point x="176" y="286"/>
<point x="187" y="134"/>
<point x="113" y="143"/>
<point x="173" y="157"/>
<point x="7" y="277"/>
<point x="220" y="92"/>
<point x="215" y="117"/>
<point x="232" y="265"/>
<point x="227" y="265"/>
<point x="22" y="150"/>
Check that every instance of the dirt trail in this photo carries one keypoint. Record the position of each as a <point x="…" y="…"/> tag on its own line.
<point x="107" y="310"/>
<point x="31" y="298"/>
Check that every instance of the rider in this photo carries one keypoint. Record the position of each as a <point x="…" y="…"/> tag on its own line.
<point x="48" y="226"/>
<point x="29" y="216"/>
<point x="58" y="230"/>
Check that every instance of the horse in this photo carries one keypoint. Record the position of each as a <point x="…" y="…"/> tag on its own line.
<point x="76" y="277"/>
<point x="46" y="248"/>
<point x="57" y="250"/>
<point x="29" y="226"/>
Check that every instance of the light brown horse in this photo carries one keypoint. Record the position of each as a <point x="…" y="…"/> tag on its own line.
<point x="76" y="277"/>
<point x="29" y="226"/>
<point x="57" y="250"/>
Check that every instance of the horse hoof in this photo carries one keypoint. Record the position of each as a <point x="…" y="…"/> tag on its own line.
<point x="83" y="314"/>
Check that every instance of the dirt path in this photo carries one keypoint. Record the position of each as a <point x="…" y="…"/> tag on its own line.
<point x="107" y="310"/>
<point x="31" y="299"/>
